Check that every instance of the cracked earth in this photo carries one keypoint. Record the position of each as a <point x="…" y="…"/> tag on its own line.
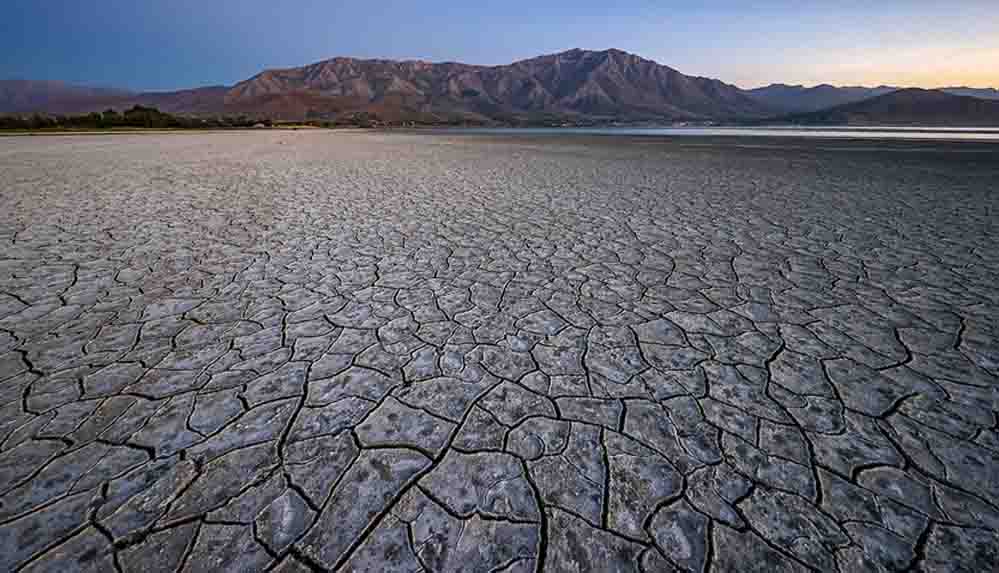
<point x="311" y="351"/>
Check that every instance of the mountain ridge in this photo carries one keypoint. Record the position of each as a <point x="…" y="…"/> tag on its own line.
<point x="21" y="95"/>
<point x="799" y="98"/>
<point x="574" y="82"/>
<point x="909" y="106"/>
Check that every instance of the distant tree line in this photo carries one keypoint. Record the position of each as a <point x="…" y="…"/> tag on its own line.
<point x="138" y="116"/>
<point x="150" y="117"/>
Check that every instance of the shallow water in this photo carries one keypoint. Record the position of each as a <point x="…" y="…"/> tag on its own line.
<point x="839" y="132"/>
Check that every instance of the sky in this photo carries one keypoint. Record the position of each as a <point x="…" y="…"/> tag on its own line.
<point x="171" y="44"/>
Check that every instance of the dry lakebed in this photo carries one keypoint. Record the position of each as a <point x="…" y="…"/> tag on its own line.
<point x="404" y="351"/>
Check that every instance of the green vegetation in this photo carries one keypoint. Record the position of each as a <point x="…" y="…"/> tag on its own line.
<point x="136" y="117"/>
<point x="142" y="117"/>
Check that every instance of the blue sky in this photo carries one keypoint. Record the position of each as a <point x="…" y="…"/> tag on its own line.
<point x="159" y="44"/>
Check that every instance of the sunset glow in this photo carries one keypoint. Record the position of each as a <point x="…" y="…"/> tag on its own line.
<point x="185" y="43"/>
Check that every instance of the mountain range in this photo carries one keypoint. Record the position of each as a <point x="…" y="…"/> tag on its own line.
<point x="911" y="106"/>
<point x="798" y="98"/>
<point x="572" y="86"/>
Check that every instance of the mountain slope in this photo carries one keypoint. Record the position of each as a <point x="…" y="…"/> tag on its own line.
<point x="983" y="93"/>
<point x="798" y="99"/>
<point x="794" y="99"/>
<point x="24" y="96"/>
<point x="609" y="83"/>
<point x="206" y="100"/>
<point x="907" y="107"/>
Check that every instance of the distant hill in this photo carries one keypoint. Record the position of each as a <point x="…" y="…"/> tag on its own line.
<point x="907" y="107"/>
<point x="206" y="100"/>
<point x="797" y="98"/>
<point x="787" y="98"/>
<point x="983" y="93"/>
<point x="25" y="96"/>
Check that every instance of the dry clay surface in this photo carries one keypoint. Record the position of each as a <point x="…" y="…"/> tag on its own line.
<point x="305" y="351"/>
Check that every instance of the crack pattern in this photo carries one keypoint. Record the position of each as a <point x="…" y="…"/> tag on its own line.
<point x="297" y="351"/>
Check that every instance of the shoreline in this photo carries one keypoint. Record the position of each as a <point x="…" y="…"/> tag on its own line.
<point x="893" y="134"/>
